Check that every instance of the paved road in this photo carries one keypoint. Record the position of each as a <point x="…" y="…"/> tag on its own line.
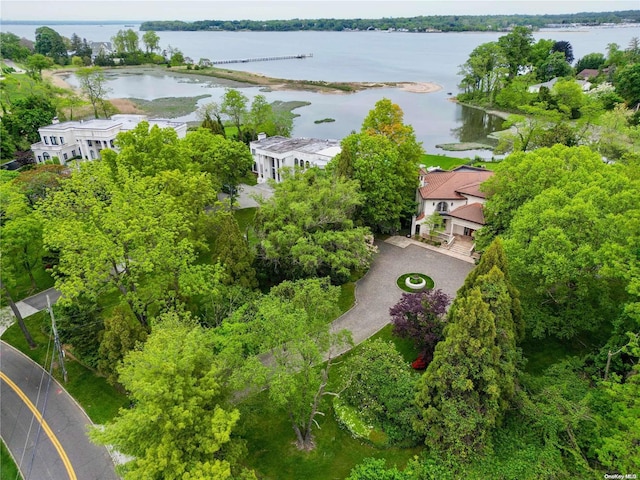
<point x="49" y="446"/>
<point x="377" y="291"/>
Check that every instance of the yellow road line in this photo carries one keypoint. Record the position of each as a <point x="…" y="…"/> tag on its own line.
<point x="45" y="426"/>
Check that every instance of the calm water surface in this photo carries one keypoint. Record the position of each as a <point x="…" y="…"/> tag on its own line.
<point x="341" y="56"/>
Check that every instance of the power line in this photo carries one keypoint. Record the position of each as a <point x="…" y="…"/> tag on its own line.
<point x="56" y="341"/>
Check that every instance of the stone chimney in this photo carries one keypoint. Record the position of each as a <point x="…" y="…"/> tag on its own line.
<point x="261" y="136"/>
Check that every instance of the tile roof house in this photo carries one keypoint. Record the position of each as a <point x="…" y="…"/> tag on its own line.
<point x="85" y="139"/>
<point x="271" y="154"/>
<point x="456" y="196"/>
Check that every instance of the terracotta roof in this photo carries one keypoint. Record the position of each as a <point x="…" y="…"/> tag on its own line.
<point x="471" y="212"/>
<point x="449" y="185"/>
<point x="420" y="217"/>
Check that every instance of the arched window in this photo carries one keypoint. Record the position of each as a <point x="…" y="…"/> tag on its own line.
<point x="45" y="156"/>
<point x="442" y="207"/>
<point x="307" y="165"/>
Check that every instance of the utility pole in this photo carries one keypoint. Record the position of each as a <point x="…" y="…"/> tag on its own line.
<point x="19" y="319"/>
<point x="56" y="341"/>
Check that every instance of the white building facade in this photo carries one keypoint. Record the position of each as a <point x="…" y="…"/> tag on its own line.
<point x="85" y="139"/>
<point x="271" y="154"/>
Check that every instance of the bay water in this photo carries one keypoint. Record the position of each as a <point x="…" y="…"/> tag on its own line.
<point x="339" y="56"/>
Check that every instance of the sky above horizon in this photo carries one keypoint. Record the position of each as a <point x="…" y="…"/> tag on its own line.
<point x="189" y="10"/>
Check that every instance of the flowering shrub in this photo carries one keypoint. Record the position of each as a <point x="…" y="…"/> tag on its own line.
<point x="420" y="318"/>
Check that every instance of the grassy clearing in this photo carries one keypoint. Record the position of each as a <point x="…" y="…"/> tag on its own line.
<point x="8" y="468"/>
<point x="99" y="399"/>
<point x="169" y="107"/>
<point x="464" y="146"/>
<point x="272" y="453"/>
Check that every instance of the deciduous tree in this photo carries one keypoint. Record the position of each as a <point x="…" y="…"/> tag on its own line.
<point x="114" y="229"/>
<point x="306" y="229"/>
<point x="93" y="85"/>
<point x="293" y="325"/>
<point x="234" y="106"/>
<point x="179" y="426"/>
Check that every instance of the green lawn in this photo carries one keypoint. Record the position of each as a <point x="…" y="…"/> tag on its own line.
<point x="8" y="468"/>
<point x="99" y="399"/>
<point x="272" y="453"/>
<point x="442" y="161"/>
<point x="245" y="217"/>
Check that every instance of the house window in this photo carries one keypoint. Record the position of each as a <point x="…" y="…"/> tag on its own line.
<point x="45" y="156"/>
<point x="73" y="153"/>
<point x="39" y="158"/>
<point x="90" y="143"/>
<point x="61" y="140"/>
<point x="93" y="155"/>
<point x="111" y="143"/>
<point x="46" y="140"/>
<point x="442" y="207"/>
<point x="468" y="231"/>
<point x="307" y="164"/>
<point x="54" y="140"/>
<point x="65" y="156"/>
<point x="253" y="151"/>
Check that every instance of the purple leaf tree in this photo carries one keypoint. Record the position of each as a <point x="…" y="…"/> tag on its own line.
<point x="420" y="318"/>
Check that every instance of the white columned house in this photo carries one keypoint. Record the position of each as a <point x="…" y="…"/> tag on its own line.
<point x="456" y="196"/>
<point x="85" y="139"/>
<point x="270" y="154"/>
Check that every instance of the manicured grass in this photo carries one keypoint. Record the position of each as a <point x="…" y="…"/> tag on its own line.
<point x="401" y="282"/>
<point x="442" y="161"/>
<point x="245" y="217"/>
<point x="405" y="347"/>
<point x="99" y="399"/>
<point x="8" y="468"/>
<point x="347" y="296"/>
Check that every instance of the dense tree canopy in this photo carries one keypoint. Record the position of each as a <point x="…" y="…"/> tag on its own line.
<point x="179" y="426"/>
<point x="114" y="229"/>
<point x="51" y="44"/>
<point x="307" y="229"/>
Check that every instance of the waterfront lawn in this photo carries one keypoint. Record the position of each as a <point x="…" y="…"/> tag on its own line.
<point x="442" y="161"/>
<point x="8" y="468"/>
<point x="99" y="399"/>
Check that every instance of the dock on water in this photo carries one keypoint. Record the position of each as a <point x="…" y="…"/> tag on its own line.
<point x="263" y="59"/>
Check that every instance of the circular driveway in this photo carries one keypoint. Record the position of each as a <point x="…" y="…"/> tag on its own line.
<point x="377" y="291"/>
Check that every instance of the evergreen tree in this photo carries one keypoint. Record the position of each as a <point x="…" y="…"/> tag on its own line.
<point x="494" y="256"/>
<point x="459" y="395"/>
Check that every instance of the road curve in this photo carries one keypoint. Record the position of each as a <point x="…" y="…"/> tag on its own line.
<point x="49" y="446"/>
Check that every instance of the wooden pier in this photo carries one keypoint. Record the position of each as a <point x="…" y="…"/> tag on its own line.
<point x="263" y="59"/>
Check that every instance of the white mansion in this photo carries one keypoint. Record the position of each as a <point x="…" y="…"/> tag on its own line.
<point x="85" y="139"/>
<point x="270" y="154"/>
